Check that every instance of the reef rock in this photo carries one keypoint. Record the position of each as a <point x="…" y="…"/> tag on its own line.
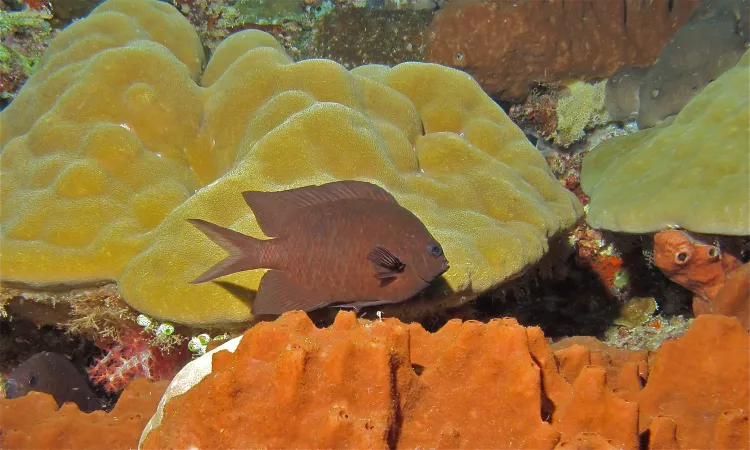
<point x="121" y="135"/>
<point x="712" y="42"/>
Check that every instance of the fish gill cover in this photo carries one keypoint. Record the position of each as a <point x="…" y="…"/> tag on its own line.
<point x="120" y="136"/>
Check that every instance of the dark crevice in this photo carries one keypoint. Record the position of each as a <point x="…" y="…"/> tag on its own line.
<point x="670" y="5"/>
<point x="625" y="15"/>
<point x="398" y="421"/>
<point x="644" y="440"/>
<point x="548" y="407"/>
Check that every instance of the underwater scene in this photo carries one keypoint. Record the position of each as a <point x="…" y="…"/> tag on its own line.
<point x="401" y="224"/>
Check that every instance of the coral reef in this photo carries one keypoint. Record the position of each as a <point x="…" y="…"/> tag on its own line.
<point x="509" y="45"/>
<point x="112" y="144"/>
<point x="25" y="35"/>
<point x="289" y="21"/>
<point x="636" y="311"/>
<point x="538" y="113"/>
<point x="391" y="36"/>
<point x="131" y="347"/>
<point x="133" y="357"/>
<point x="594" y="251"/>
<point x="68" y="427"/>
<point x="351" y="33"/>
<point x="66" y="11"/>
<point x="579" y="107"/>
<point x="648" y="336"/>
<point x="97" y="320"/>
<point x="427" y="389"/>
<point x="691" y="173"/>
<point x="98" y="313"/>
<point x="135" y="120"/>
<point x="561" y="116"/>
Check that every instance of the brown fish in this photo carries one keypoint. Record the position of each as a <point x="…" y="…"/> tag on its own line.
<point x="57" y="376"/>
<point x="345" y="243"/>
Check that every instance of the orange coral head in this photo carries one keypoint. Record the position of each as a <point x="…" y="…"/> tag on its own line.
<point x="698" y="266"/>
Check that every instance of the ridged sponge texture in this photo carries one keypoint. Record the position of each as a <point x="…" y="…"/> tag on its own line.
<point x="354" y="385"/>
<point x="693" y="172"/>
<point x="120" y="137"/>
<point x="385" y="384"/>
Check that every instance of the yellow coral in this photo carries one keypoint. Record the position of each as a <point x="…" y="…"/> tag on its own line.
<point x="692" y="173"/>
<point x="581" y="107"/>
<point x="123" y="145"/>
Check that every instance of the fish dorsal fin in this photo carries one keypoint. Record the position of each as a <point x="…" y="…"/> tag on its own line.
<point x="272" y="208"/>
<point x="386" y="264"/>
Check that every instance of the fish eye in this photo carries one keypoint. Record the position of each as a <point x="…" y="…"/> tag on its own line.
<point x="435" y="250"/>
<point x="713" y="252"/>
<point x="33" y="381"/>
<point x="681" y="257"/>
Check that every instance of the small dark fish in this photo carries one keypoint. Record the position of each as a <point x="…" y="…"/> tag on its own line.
<point x="54" y="374"/>
<point x="346" y="243"/>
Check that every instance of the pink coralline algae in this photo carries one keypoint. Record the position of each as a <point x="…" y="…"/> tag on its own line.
<point x="133" y="357"/>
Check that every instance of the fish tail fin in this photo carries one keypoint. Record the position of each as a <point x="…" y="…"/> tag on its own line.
<point x="244" y="251"/>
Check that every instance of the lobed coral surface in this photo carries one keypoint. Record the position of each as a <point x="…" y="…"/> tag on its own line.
<point x="691" y="173"/>
<point x="121" y="136"/>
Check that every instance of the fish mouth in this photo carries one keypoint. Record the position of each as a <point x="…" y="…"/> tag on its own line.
<point x="438" y="275"/>
<point x="12" y="389"/>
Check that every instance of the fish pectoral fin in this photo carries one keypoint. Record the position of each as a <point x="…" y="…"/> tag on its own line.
<point x="387" y="265"/>
<point x="278" y="294"/>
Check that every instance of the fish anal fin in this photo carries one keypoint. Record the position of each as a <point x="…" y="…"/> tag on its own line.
<point x="271" y="209"/>
<point x="278" y="294"/>
<point x="386" y="264"/>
